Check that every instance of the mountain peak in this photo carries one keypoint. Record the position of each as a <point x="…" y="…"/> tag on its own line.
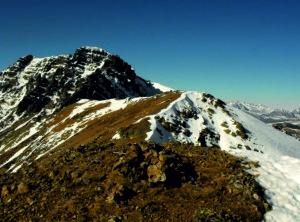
<point x="20" y="64"/>
<point x="33" y="85"/>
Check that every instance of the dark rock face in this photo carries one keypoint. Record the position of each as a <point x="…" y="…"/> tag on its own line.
<point x="31" y="85"/>
<point x="20" y="64"/>
<point x="9" y="75"/>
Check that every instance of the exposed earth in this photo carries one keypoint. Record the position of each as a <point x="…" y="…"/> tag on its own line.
<point x="134" y="182"/>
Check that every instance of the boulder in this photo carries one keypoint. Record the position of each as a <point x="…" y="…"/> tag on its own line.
<point x="155" y="174"/>
<point x="23" y="188"/>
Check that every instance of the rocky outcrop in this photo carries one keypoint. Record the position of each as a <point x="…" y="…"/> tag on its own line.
<point x="153" y="164"/>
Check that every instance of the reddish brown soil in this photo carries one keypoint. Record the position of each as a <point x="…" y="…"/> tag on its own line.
<point x="98" y="182"/>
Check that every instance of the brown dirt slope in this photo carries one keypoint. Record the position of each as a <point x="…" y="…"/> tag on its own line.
<point x="133" y="182"/>
<point x="97" y="130"/>
<point x="124" y="121"/>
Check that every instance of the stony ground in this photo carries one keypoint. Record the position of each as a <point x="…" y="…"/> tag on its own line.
<point x="133" y="182"/>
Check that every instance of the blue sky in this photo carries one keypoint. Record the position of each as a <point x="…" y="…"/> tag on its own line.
<point x="246" y="50"/>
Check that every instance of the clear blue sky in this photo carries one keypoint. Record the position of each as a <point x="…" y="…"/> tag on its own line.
<point x="246" y="50"/>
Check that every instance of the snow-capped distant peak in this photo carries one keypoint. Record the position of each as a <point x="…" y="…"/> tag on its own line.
<point x="249" y="107"/>
<point x="263" y="112"/>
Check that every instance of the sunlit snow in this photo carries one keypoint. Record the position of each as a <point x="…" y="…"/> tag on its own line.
<point x="279" y="158"/>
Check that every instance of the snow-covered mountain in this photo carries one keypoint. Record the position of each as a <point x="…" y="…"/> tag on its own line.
<point x="33" y="85"/>
<point x="265" y="113"/>
<point x="251" y="108"/>
<point x="283" y="120"/>
<point x="92" y="97"/>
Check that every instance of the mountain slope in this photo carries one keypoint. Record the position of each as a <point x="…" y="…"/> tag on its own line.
<point x="224" y="126"/>
<point x="177" y="116"/>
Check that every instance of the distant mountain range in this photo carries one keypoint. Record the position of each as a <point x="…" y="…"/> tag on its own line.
<point x="94" y="100"/>
<point x="265" y="113"/>
<point x="283" y="120"/>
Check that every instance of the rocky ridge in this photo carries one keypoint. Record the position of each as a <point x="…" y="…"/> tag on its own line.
<point x="170" y="116"/>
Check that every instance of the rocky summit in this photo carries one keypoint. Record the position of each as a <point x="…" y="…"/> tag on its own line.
<point x="33" y="85"/>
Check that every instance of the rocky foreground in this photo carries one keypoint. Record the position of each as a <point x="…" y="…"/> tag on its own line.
<point x="134" y="182"/>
